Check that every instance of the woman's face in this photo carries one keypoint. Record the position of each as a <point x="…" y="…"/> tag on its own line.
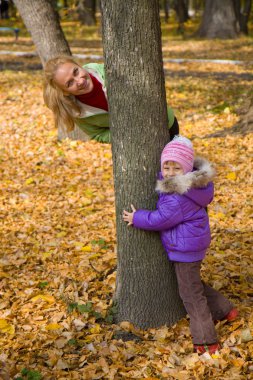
<point x="73" y="79"/>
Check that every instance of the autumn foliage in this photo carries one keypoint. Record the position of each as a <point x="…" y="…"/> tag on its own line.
<point x="58" y="248"/>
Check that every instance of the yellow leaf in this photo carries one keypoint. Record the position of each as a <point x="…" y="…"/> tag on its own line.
<point x="49" y="299"/>
<point x="88" y="193"/>
<point x="86" y="202"/>
<point x="61" y="234"/>
<point x="29" y="181"/>
<point x="52" y="133"/>
<point x="45" y="255"/>
<point x="53" y="326"/>
<point x="96" y="255"/>
<point x="220" y="215"/>
<point x="231" y="176"/>
<point x="87" y="248"/>
<point x="3" y="274"/>
<point x="5" y="327"/>
<point x="95" y="329"/>
<point x="239" y="362"/>
<point x="106" y="176"/>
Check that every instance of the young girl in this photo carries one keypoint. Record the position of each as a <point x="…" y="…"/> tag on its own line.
<point x="77" y="95"/>
<point x="185" y="188"/>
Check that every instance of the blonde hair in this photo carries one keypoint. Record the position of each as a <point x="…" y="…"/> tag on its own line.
<point x="65" y="107"/>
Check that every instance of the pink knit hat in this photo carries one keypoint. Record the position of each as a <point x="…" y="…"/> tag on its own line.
<point x="179" y="150"/>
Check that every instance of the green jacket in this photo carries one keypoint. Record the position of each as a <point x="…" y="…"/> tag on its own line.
<point x="95" y="121"/>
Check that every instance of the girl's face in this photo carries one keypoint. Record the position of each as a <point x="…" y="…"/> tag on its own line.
<point x="171" y="169"/>
<point x="73" y="79"/>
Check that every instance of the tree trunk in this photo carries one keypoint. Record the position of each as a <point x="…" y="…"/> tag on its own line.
<point x="42" y="21"/>
<point x="218" y="20"/>
<point x="237" y="9"/>
<point x="166" y="6"/>
<point x="244" y="17"/>
<point x="146" y="288"/>
<point x="87" y="12"/>
<point x="76" y="134"/>
<point x="245" y="124"/>
<point x="182" y="14"/>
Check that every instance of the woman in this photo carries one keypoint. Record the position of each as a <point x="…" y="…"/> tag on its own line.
<point x="77" y="95"/>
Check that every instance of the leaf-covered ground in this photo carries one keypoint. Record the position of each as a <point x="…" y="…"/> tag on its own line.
<point x="58" y="242"/>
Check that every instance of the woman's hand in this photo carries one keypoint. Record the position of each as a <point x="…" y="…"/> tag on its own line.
<point x="129" y="216"/>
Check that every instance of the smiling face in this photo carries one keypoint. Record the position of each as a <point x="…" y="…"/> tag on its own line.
<point x="73" y="79"/>
<point x="171" y="169"/>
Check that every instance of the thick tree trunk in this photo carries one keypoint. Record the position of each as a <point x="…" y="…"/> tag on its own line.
<point x="146" y="288"/>
<point x="87" y="12"/>
<point x="42" y="21"/>
<point x="218" y="20"/>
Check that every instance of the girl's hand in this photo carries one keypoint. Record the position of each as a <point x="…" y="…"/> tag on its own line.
<point x="129" y="216"/>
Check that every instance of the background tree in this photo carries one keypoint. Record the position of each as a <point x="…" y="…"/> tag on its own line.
<point x="218" y="20"/>
<point x="244" y="17"/>
<point x="166" y="7"/>
<point x="4" y="9"/>
<point x="146" y="289"/>
<point x="87" y="12"/>
<point x="42" y="21"/>
<point x="181" y="8"/>
<point x="242" y="13"/>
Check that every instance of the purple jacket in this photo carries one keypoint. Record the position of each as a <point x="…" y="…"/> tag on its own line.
<point x="180" y="216"/>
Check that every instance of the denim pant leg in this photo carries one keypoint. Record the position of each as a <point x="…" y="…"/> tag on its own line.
<point x="218" y="304"/>
<point x="191" y="291"/>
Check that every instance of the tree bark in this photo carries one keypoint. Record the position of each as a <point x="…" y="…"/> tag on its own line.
<point x="166" y="7"/>
<point x="182" y="14"/>
<point x="87" y="12"/>
<point x="245" y="124"/>
<point x="146" y="288"/>
<point x="42" y="21"/>
<point x="218" y="20"/>
<point x="244" y="17"/>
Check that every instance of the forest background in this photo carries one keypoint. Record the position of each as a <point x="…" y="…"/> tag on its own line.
<point x="58" y="240"/>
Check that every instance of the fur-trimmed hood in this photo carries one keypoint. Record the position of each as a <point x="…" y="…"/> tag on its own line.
<point x="202" y="175"/>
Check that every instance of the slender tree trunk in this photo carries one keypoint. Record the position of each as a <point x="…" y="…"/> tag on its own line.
<point x="87" y="12"/>
<point x="166" y="6"/>
<point x="218" y="20"/>
<point x="237" y="9"/>
<point x="244" y="17"/>
<point x="182" y="14"/>
<point x="42" y="21"/>
<point x="146" y="288"/>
